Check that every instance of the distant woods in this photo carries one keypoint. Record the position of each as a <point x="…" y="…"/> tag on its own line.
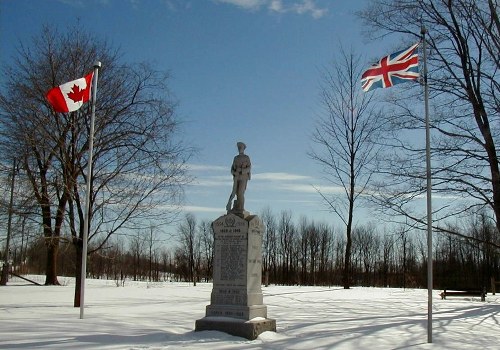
<point x="295" y="252"/>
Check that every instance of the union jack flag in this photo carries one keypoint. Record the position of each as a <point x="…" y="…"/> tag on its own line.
<point x="396" y="68"/>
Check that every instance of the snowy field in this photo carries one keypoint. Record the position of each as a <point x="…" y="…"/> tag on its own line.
<point x="162" y="316"/>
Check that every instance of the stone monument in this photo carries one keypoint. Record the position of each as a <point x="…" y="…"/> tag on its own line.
<point x="236" y="303"/>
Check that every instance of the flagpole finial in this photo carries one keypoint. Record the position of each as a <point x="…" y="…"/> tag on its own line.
<point x="97" y="64"/>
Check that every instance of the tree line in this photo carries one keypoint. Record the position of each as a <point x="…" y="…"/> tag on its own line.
<point x="293" y="253"/>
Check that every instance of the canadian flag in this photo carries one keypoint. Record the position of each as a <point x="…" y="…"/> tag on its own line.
<point x="70" y="96"/>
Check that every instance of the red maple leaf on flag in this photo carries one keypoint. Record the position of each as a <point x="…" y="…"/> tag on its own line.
<point x="76" y="94"/>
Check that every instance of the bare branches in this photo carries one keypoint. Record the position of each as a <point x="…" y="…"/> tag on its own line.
<point x="346" y="133"/>
<point x="138" y="170"/>
<point x="346" y="140"/>
<point x="463" y="81"/>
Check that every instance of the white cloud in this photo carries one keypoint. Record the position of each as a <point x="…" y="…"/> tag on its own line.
<point x="246" y="4"/>
<point x="279" y="177"/>
<point x="276" y="5"/>
<point x="213" y="181"/>
<point x="309" y="188"/>
<point x="300" y="7"/>
<point x="205" y="167"/>
<point x="200" y="209"/>
<point x="308" y="6"/>
<point x="210" y="175"/>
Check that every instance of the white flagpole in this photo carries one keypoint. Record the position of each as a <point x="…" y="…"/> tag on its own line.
<point x="429" y="193"/>
<point x="86" y="223"/>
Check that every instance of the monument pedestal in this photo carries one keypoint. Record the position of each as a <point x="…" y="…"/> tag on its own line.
<point x="236" y="303"/>
<point x="237" y="327"/>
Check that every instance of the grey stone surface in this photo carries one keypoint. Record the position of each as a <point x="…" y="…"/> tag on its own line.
<point x="236" y="301"/>
<point x="240" y="328"/>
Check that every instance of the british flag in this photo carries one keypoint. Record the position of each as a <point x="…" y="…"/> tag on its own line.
<point x="396" y="68"/>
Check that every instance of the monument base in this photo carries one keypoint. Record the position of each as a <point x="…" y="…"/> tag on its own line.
<point x="237" y="311"/>
<point x="237" y="327"/>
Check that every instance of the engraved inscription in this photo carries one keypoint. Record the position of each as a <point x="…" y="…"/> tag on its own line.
<point x="229" y="297"/>
<point x="231" y="248"/>
<point x="233" y="258"/>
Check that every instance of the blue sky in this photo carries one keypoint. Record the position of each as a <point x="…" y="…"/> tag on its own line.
<point x="242" y="70"/>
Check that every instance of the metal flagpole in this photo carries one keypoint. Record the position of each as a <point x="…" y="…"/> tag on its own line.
<point x="86" y="224"/>
<point x="429" y="192"/>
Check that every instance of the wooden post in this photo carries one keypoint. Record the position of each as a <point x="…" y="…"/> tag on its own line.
<point x="493" y="285"/>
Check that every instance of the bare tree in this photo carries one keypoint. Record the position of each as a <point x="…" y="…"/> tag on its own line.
<point x="24" y="218"/>
<point x="167" y="263"/>
<point x="190" y="244"/>
<point x="464" y="60"/>
<point x="387" y="263"/>
<point x="287" y="247"/>
<point x="206" y="235"/>
<point x="367" y="245"/>
<point x="304" y="229"/>
<point x="27" y="133"/>
<point x="270" y="245"/>
<point x="325" y="253"/>
<point x="118" y="264"/>
<point x="137" y="246"/>
<point x="152" y="239"/>
<point x="138" y="160"/>
<point x="345" y="138"/>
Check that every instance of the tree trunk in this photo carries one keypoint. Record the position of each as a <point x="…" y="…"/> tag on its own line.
<point x="348" y="246"/>
<point x="51" y="268"/>
<point x="347" y="259"/>
<point x="78" y="273"/>
<point x="495" y="176"/>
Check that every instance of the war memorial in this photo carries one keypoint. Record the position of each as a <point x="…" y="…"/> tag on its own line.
<point x="236" y="303"/>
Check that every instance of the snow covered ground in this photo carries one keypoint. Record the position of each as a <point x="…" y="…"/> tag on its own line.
<point x="162" y="316"/>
